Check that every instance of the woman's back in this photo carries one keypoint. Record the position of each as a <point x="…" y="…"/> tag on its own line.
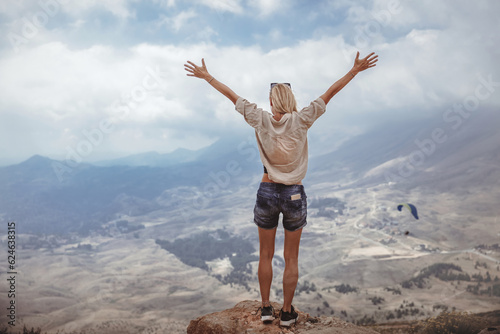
<point x="282" y="144"/>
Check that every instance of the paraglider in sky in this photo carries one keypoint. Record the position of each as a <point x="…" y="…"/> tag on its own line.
<point x="410" y="207"/>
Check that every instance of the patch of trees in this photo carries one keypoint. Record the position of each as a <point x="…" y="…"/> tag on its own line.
<point x="345" y="288"/>
<point x="321" y="202"/>
<point x="492" y="291"/>
<point x="305" y="287"/>
<point x="442" y="271"/>
<point x="328" y="213"/>
<point x="398" y="313"/>
<point x="448" y="272"/>
<point x="440" y="307"/>
<point x="208" y="246"/>
<point x="329" y="207"/>
<point x="5" y="330"/>
<point x="495" y="290"/>
<point x="235" y="277"/>
<point x="366" y="320"/>
<point x="494" y="247"/>
<point x="405" y="309"/>
<point x="395" y="291"/>
<point x="376" y="300"/>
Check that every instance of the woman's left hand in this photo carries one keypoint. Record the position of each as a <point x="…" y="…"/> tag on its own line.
<point x="197" y="71"/>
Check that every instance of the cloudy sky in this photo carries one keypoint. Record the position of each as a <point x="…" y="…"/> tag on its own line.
<point x="105" y="77"/>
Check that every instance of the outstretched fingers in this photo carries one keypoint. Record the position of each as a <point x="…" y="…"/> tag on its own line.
<point x="370" y="60"/>
<point x="190" y="67"/>
<point x="371" y="54"/>
<point x="195" y="70"/>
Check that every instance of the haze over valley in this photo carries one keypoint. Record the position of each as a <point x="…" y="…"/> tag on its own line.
<point x="145" y="243"/>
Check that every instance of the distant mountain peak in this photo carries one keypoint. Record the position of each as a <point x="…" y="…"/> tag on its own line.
<point x="36" y="160"/>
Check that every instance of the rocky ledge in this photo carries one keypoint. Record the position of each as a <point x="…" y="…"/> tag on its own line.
<point x="244" y="318"/>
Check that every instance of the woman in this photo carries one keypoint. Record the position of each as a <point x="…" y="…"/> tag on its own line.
<point x="282" y="142"/>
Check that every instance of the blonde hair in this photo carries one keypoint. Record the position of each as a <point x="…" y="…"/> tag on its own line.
<point x="282" y="99"/>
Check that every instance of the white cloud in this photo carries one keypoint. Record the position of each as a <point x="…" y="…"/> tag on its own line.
<point x="78" y="24"/>
<point x="165" y="3"/>
<point x="267" y="7"/>
<point x="28" y="8"/>
<point x="119" y="8"/>
<point x="232" y="6"/>
<point x="51" y="92"/>
<point x="178" y="21"/>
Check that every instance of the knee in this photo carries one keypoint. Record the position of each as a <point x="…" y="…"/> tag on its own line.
<point x="266" y="254"/>
<point x="291" y="258"/>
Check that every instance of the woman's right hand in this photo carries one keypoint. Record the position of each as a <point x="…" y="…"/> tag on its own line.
<point x="364" y="63"/>
<point x="202" y="73"/>
<point x="197" y="71"/>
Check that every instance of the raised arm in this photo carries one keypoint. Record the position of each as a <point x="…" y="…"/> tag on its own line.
<point x="202" y="73"/>
<point x="359" y="65"/>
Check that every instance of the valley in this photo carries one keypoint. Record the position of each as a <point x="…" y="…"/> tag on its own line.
<point x="95" y="252"/>
<point x="128" y="282"/>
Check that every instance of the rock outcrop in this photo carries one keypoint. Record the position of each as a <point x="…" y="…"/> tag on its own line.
<point x="244" y="318"/>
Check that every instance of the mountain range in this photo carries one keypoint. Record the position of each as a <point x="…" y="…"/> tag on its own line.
<point x="111" y="244"/>
<point x="405" y="155"/>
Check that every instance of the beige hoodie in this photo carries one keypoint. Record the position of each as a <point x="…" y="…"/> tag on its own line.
<point x="282" y="144"/>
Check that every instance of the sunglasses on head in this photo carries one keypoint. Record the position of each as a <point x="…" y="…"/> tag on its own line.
<point x="284" y="83"/>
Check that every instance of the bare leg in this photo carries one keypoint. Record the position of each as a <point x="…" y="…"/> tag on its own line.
<point x="265" y="273"/>
<point x="291" y="273"/>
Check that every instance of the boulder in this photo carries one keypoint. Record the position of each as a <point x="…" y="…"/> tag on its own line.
<point x="244" y="318"/>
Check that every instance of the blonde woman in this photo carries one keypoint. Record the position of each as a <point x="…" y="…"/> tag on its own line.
<point x="282" y="142"/>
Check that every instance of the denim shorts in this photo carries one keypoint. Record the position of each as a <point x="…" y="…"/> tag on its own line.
<point x="276" y="198"/>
